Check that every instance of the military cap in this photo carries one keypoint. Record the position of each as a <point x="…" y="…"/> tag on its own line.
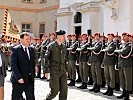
<point x="111" y="34"/>
<point x="69" y="35"/>
<point x="74" y="35"/>
<point x="125" y="34"/>
<point x="61" y="32"/>
<point x="45" y="35"/>
<point x="97" y="33"/>
<point x="84" y="34"/>
<point x="52" y="33"/>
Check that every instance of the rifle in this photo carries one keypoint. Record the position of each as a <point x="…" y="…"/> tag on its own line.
<point x="103" y="42"/>
<point x="117" y="41"/>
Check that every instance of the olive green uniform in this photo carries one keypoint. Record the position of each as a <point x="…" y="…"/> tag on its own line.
<point x="56" y="54"/>
<point x="109" y="64"/>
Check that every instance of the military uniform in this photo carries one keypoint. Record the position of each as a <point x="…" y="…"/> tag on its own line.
<point x="83" y="67"/>
<point x="56" y="54"/>
<point x="42" y="54"/>
<point x="125" y="69"/>
<point x="109" y="67"/>
<point x="96" y="61"/>
<point x="38" y="50"/>
<point x="72" y="57"/>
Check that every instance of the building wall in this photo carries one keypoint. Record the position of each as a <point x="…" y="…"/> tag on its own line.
<point x="99" y="20"/>
<point x="33" y="13"/>
<point x="120" y="24"/>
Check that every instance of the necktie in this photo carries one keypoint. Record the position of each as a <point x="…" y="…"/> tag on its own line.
<point x="26" y="53"/>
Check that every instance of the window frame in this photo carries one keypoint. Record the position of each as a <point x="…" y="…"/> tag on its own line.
<point x="40" y="27"/>
<point x="25" y="27"/>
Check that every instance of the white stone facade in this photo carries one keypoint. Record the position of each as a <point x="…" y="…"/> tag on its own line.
<point x="97" y="15"/>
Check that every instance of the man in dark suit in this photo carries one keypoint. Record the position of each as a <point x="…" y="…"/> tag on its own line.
<point x="23" y="65"/>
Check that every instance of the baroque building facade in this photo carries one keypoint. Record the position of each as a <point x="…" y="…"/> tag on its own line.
<point x="85" y="16"/>
<point x="34" y="16"/>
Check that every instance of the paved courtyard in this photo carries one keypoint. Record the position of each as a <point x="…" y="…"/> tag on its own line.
<point x="42" y="88"/>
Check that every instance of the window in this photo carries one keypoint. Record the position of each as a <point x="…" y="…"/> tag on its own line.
<point x="26" y="27"/>
<point x="78" y="18"/>
<point x="42" y="28"/>
<point x="43" y="1"/>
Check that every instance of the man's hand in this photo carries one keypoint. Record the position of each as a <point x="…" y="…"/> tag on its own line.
<point x="21" y="81"/>
<point x="47" y="75"/>
<point x="36" y="69"/>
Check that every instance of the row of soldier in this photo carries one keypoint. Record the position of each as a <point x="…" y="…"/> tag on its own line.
<point x="104" y="60"/>
<point x="110" y="60"/>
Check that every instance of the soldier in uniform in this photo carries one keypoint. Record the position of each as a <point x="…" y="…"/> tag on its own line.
<point x="68" y="43"/>
<point x="52" y="37"/>
<point x="38" y="64"/>
<point x="125" y="66"/>
<point x="109" y="64"/>
<point x="43" y="51"/>
<point x="72" y="57"/>
<point x="83" y="58"/>
<point x="77" y="61"/>
<point x="96" y="60"/>
<point x="56" y="54"/>
<point x="131" y="40"/>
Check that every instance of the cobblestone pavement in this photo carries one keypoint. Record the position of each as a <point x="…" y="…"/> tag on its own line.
<point x="42" y="88"/>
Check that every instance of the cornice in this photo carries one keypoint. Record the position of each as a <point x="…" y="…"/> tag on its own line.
<point x="30" y="10"/>
<point x="64" y="12"/>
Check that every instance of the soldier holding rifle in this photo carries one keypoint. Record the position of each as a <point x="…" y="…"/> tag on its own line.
<point x="125" y="66"/>
<point x="109" y="64"/>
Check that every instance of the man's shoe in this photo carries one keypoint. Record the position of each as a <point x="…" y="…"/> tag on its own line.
<point x="43" y="78"/>
<point x="106" y="93"/>
<point x="72" y="83"/>
<point x="84" y="86"/>
<point x="110" y="92"/>
<point x="97" y="89"/>
<point x="122" y="95"/>
<point x="78" y="80"/>
<point x="94" y="87"/>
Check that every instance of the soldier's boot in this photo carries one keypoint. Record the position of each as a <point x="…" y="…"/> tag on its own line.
<point x="72" y="83"/>
<point x="127" y="96"/>
<point x="110" y="92"/>
<point x="90" y="81"/>
<point x="84" y="86"/>
<point x="103" y="84"/>
<point x="117" y="87"/>
<point x="97" y="89"/>
<point x="106" y="93"/>
<point x="78" y="80"/>
<point x="81" y="85"/>
<point x="122" y="95"/>
<point x="94" y="87"/>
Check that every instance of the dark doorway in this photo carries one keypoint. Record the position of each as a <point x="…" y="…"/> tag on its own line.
<point x="78" y="31"/>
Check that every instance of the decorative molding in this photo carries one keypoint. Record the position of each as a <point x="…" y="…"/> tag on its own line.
<point x="89" y="7"/>
<point x="30" y="10"/>
<point x="64" y="12"/>
<point x="113" y="5"/>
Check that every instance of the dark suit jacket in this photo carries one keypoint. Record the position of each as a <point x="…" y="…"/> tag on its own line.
<point x="21" y="64"/>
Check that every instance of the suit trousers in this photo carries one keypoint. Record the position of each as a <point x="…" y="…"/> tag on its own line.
<point x="125" y="74"/>
<point x="27" y="87"/>
<point x="109" y="72"/>
<point x="96" y="72"/>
